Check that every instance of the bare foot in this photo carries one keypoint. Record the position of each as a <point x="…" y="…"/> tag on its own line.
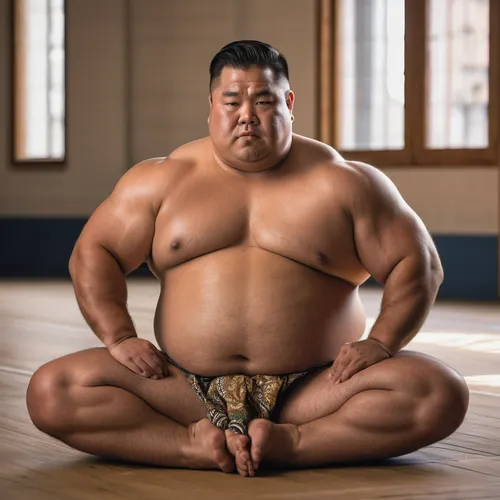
<point x="237" y="444"/>
<point x="273" y="442"/>
<point x="207" y="448"/>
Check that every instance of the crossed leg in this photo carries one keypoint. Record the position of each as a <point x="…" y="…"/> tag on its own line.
<point x="94" y="404"/>
<point x="389" y="409"/>
<point x="91" y="402"/>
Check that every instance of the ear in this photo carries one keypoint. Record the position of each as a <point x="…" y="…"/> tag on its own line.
<point x="210" y="107"/>
<point x="290" y="100"/>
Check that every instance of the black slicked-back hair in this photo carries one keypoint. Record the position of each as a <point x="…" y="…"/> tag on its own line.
<point x="245" y="53"/>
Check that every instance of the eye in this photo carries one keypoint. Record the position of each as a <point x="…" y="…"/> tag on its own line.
<point x="232" y="104"/>
<point x="264" y="102"/>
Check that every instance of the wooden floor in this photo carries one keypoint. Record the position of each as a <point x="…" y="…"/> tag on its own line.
<point x="40" y="321"/>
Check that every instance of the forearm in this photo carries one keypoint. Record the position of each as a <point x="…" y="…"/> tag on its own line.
<point x="101" y="293"/>
<point x="409" y="293"/>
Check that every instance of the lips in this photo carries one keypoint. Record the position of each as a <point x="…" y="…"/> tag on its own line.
<point x="248" y="134"/>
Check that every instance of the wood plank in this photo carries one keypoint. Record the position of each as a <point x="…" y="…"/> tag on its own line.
<point x="32" y="465"/>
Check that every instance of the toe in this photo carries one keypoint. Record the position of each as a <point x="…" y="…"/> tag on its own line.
<point x="256" y="456"/>
<point x="242" y="460"/>
<point x="242" y="442"/>
<point x="251" y="468"/>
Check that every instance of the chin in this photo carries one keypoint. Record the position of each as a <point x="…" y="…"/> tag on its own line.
<point x="251" y="155"/>
<point x="251" y="158"/>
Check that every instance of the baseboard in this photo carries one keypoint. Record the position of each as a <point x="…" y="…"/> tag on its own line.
<point x="41" y="247"/>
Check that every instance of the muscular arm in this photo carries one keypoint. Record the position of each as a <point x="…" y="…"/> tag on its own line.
<point x="115" y="241"/>
<point x="397" y="250"/>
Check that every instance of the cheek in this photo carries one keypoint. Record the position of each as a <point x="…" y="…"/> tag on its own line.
<point x="277" y="124"/>
<point x="223" y="122"/>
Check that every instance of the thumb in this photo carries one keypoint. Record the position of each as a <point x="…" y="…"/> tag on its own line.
<point x="164" y="363"/>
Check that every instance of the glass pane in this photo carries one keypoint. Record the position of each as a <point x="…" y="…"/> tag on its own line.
<point x="458" y="55"/>
<point x="371" y="79"/>
<point x="39" y="92"/>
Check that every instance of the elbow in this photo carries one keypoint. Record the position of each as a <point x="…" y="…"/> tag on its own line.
<point x="436" y="272"/>
<point x="73" y="263"/>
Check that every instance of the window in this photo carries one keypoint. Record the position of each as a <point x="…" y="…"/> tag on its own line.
<point x="412" y="82"/>
<point x="39" y="81"/>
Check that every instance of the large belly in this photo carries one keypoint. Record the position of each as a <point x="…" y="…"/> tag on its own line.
<point x="247" y="310"/>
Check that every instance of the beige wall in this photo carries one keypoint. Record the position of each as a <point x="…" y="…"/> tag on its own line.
<point x="96" y="117"/>
<point x="451" y="200"/>
<point x="147" y="61"/>
<point x="172" y="45"/>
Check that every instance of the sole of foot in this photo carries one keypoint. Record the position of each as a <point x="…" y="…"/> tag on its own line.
<point x="275" y="442"/>
<point x="207" y="448"/>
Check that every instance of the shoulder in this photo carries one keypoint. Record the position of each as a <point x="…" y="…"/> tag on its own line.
<point x="358" y="186"/>
<point x="370" y="192"/>
<point x="150" y="181"/>
<point x="320" y="155"/>
<point x="314" y="151"/>
<point x="165" y="170"/>
<point x="148" y="174"/>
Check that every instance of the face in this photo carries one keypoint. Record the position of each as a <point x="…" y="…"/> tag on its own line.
<point x="250" y="120"/>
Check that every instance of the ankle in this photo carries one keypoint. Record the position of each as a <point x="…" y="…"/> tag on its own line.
<point x="286" y="446"/>
<point x="184" y="444"/>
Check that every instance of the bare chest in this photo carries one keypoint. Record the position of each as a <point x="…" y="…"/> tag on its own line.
<point x="294" y="221"/>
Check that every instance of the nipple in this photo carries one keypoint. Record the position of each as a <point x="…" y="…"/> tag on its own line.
<point x="175" y="245"/>
<point x="323" y="259"/>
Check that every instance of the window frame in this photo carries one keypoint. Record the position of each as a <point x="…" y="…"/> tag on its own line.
<point x="16" y="76"/>
<point x="414" y="152"/>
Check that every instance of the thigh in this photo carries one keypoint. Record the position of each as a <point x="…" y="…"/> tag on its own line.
<point x="412" y="373"/>
<point x="171" y="396"/>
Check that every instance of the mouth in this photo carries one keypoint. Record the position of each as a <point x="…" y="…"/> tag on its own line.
<point x="247" y="135"/>
<point x="248" y="138"/>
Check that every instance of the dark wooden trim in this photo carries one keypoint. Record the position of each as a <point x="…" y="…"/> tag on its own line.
<point x="467" y="157"/>
<point x="494" y="80"/>
<point x="494" y="110"/>
<point x="36" y="163"/>
<point x="326" y="32"/>
<point x="415" y="75"/>
<point x="386" y="158"/>
<point x="128" y="87"/>
<point x="415" y="153"/>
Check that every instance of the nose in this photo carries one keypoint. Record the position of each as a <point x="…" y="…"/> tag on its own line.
<point x="247" y="115"/>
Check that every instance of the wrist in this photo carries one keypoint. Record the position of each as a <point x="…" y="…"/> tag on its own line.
<point x="117" y="341"/>
<point x="383" y="346"/>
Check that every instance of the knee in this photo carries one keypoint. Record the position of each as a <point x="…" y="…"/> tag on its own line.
<point x="47" y="401"/>
<point x="443" y="409"/>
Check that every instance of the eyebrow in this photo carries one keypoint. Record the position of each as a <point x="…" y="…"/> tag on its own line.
<point x="264" y="93"/>
<point x="261" y="93"/>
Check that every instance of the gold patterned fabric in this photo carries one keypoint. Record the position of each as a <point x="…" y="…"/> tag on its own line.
<point x="232" y="401"/>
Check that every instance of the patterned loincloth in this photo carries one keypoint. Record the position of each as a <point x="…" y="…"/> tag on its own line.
<point x="232" y="401"/>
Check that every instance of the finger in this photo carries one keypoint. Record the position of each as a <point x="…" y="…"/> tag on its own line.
<point x="132" y="366"/>
<point x="343" y="364"/>
<point x="334" y="370"/>
<point x="147" y="371"/>
<point x="162" y="359"/>
<point x="154" y="363"/>
<point x="352" y="369"/>
<point x="342" y="360"/>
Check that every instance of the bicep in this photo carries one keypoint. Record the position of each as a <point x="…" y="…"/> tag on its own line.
<point x="387" y="231"/>
<point x="123" y="225"/>
<point x="126" y="232"/>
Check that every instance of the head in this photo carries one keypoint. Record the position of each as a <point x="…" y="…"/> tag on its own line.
<point x="251" y="106"/>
